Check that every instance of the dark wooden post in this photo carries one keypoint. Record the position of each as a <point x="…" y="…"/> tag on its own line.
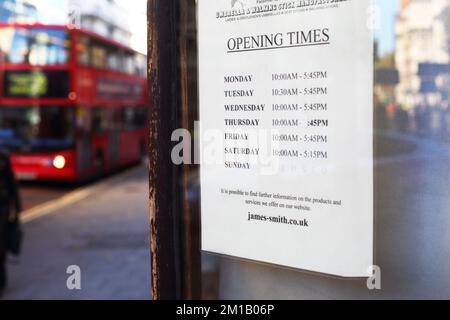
<point x="174" y="221"/>
<point x="191" y="206"/>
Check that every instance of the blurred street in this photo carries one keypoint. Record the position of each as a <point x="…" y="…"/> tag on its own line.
<point x="35" y="194"/>
<point x="105" y="233"/>
<point x="103" y="229"/>
<point x="75" y="106"/>
<point x="412" y="201"/>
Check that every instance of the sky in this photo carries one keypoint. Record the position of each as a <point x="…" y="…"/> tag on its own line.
<point x="137" y="22"/>
<point x="51" y="10"/>
<point x="385" y="33"/>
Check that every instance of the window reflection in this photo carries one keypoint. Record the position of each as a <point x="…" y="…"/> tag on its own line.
<point x="413" y="78"/>
<point x="34" y="46"/>
<point x="36" y="126"/>
<point x="100" y="55"/>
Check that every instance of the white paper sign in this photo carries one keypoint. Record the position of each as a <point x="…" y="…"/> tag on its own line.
<point x="286" y="132"/>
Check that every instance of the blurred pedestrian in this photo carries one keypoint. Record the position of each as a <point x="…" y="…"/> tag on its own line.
<point x="10" y="208"/>
<point x="380" y="116"/>
<point x="401" y="119"/>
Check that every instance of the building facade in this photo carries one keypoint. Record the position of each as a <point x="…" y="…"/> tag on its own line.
<point x="18" y="11"/>
<point x="104" y="17"/>
<point x="422" y="37"/>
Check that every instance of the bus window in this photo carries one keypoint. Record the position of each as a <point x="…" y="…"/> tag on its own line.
<point x="134" y="118"/>
<point x="30" y="127"/>
<point x="129" y="64"/>
<point x="98" y="125"/>
<point x="128" y="118"/>
<point x="116" y="60"/>
<point x="83" y="120"/>
<point x="34" y="46"/>
<point x="102" y="120"/>
<point x="117" y="119"/>
<point x="84" y="55"/>
<point x="98" y="57"/>
<point x="113" y="62"/>
<point x="140" y="119"/>
<point x="141" y="65"/>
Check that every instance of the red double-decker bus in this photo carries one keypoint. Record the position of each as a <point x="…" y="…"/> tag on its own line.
<point x="72" y="103"/>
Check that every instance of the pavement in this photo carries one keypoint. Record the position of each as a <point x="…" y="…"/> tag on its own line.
<point x="102" y="229"/>
<point x="36" y="193"/>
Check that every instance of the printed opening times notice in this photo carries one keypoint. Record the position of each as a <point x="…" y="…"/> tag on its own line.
<point x="286" y="134"/>
<point x="292" y="108"/>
